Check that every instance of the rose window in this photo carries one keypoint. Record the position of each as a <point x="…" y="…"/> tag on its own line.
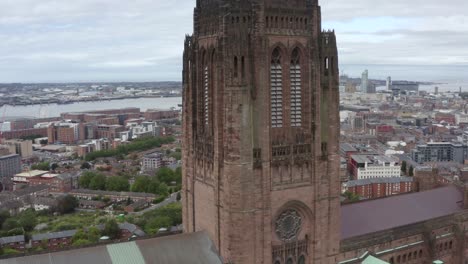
<point x="288" y="225"/>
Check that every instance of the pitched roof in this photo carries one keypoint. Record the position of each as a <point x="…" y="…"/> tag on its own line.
<point x="383" y="214"/>
<point x="11" y="239"/>
<point x="54" y="235"/>
<point x="197" y="248"/>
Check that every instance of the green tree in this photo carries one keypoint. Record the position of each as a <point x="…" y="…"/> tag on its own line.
<point x="85" y="179"/>
<point x="179" y="196"/>
<point x="98" y="182"/>
<point x="10" y="224"/>
<point x="66" y="204"/>
<point x="44" y="166"/>
<point x="111" y="229"/>
<point x="178" y="175"/>
<point x="155" y="224"/>
<point x="163" y="190"/>
<point x="165" y="175"/>
<point x="79" y="235"/>
<point x="411" y="171"/>
<point x="141" y="184"/>
<point x="403" y="166"/>
<point x="118" y="184"/>
<point x="94" y="234"/>
<point x="28" y="220"/>
<point x="4" y="215"/>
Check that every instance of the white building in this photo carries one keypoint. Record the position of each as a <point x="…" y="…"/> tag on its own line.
<point x="371" y="167"/>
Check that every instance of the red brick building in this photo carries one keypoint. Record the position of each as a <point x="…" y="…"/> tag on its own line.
<point x="380" y="187"/>
<point x="14" y="134"/>
<point x="445" y="117"/>
<point x="155" y="114"/>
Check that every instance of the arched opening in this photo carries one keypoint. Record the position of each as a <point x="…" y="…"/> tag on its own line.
<point x="289" y="261"/>
<point x="332" y="65"/>
<point x="277" y="262"/>
<point x="327" y="63"/>
<point x="301" y="260"/>
<point x="243" y="67"/>
<point x="296" y="88"/>
<point x="236" y="67"/>
<point x="276" y="89"/>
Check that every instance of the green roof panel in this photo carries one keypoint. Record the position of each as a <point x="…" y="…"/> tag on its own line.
<point x="125" y="253"/>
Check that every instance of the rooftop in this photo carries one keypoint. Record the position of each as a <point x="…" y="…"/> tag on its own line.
<point x="33" y="173"/>
<point x="378" y="215"/>
<point x="197" y="248"/>
<point x="379" y="180"/>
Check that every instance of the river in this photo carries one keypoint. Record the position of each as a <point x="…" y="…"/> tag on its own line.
<point x="54" y="110"/>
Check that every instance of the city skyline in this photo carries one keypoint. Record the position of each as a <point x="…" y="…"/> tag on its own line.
<point x="96" y="41"/>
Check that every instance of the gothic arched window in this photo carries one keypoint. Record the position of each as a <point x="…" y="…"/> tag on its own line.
<point x="206" y="90"/>
<point x="301" y="260"/>
<point x="296" y="89"/>
<point x="276" y="92"/>
<point x="289" y="261"/>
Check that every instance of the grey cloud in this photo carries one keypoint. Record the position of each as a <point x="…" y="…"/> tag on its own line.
<point x="51" y="40"/>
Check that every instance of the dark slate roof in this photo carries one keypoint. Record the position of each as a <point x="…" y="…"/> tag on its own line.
<point x="383" y="214"/>
<point x="194" y="248"/>
<point x="106" y="193"/>
<point x="63" y="234"/>
<point x="30" y="190"/>
<point x="11" y="239"/>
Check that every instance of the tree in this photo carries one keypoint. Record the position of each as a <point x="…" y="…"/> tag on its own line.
<point x="118" y="184"/>
<point x="98" y="182"/>
<point x="85" y="179"/>
<point x="10" y="224"/>
<point x="411" y="171"/>
<point x="94" y="234"/>
<point x="54" y="166"/>
<point x="28" y="220"/>
<point x="44" y="166"/>
<point x="79" y="235"/>
<point x="165" y="175"/>
<point x="163" y="190"/>
<point x="111" y="229"/>
<point x="4" y="215"/>
<point x="403" y="166"/>
<point x="67" y="204"/>
<point x="155" y="224"/>
<point x="85" y="166"/>
<point x="179" y="196"/>
<point x="178" y="175"/>
<point x="141" y="184"/>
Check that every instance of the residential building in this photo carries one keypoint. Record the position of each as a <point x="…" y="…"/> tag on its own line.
<point x="152" y="161"/>
<point x="380" y="187"/>
<point x="21" y="147"/>
<point x="10" y="165"/>
<point x="440" y="152"/>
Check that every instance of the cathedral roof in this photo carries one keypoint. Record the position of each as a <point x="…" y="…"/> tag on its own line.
<point x="196" y="248"/>
<point x="379" y="215"/>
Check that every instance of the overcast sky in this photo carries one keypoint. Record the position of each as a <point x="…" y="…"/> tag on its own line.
<point x="142" y="40"/>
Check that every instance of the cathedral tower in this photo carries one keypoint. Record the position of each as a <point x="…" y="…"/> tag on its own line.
<point x="261" y="127"/>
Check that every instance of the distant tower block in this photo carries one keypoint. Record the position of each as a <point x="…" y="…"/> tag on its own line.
<point x="365" y="81"/>
<point x="389" y="83"/>
<point x="436" y="90"/>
